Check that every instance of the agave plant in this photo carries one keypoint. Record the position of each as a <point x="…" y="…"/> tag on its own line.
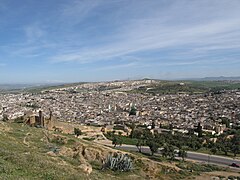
<point x="119" y="162"/>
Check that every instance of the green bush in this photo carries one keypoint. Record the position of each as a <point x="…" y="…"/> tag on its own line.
<point x="77" y="132"/>
<point x="88" y="139"/>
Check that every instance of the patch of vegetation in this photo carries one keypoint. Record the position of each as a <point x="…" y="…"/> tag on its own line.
<point x="195" y="167"/>
<point x="118" y="162"/>
<point x="21" y="161"/>
<point x="190" y="87"/>
<point x="184" y="142"/>
<point x="40" y="158"/>
<point x="89" y="138"/>
<point x="77" y="132"/>
<point x="124" y="139"/>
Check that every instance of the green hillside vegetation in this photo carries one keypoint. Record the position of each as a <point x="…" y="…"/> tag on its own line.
<point x="162" y="87"/>
<point x="24" y="153"/>
<point x="34" y="153"/>
<point x="190" y="87"/>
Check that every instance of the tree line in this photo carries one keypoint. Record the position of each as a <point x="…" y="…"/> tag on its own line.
<point x="228" y="142"/>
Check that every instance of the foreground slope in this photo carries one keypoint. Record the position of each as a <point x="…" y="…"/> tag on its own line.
<point x="34" y="153"/>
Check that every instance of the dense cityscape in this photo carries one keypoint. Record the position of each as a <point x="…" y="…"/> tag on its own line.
<point x="109" y="103"/>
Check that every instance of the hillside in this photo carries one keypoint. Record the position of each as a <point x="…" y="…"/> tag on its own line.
<point x="34" y="153"/>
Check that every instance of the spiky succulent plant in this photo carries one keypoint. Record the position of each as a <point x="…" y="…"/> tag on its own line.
<point x="118" y="162"/>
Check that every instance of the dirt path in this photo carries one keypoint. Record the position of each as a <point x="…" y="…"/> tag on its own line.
<point x="25" y="142"/>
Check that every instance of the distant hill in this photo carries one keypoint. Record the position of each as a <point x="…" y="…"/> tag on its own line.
<point x="14" y="86"/>
<point x="220" y="78"/>
<point x="6" y="87"/>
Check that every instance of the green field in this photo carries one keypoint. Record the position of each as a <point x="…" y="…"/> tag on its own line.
<point x="190" y="87"/>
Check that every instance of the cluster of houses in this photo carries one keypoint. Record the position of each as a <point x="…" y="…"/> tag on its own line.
<point x="109" y="104"/>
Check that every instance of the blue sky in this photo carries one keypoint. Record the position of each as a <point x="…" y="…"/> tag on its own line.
<point x="97" y="40"/>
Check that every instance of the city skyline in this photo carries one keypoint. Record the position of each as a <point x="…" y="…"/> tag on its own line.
<point x="69" y="41"/>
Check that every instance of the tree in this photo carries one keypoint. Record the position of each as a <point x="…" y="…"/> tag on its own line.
<point x="139" y="132"/>
<point x="116" y="141"/>
<point x="199" y="130"/>
<point x="136" y="133"/>
<point x="226" y="121"/>
<point x="77" y="132"/>
<point x="168" y="151"/>
<point x="194" y="143"/>
<point x="153" y="124"/>
<point x="159" y="138"/>
<point x="210" y="144"/>
<point x="120" y="142"/>
<point x="5" y="118"/>
<point x="133" y="111"/>
<point x="235" y="150"/>
<point x="182" y="153"/>
<point x="224" y="145"/>
<point x="133" y="126"/>
<point x="153" y="146"/>
<point x="139" y="144"/>
<point x="235" y="144"/>
<point x="213" y="150"/>
<point x="146" y="134"/>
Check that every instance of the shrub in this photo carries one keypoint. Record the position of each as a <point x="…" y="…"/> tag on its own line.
<point x="119" y="162"/>
<point x="89" y="138"/>
<point x="77" y="132"/>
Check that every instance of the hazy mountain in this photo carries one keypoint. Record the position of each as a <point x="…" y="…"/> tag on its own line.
<point x="14" y="86"/>
<point x="24" y="86"/>
<point x="221" y="78"/>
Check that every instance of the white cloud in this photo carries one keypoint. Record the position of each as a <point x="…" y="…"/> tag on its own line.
<point x="200" y="29"/>
<point x="175" y="26"/>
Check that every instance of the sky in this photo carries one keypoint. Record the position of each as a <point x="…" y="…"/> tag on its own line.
<point x="54" y="41"/>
